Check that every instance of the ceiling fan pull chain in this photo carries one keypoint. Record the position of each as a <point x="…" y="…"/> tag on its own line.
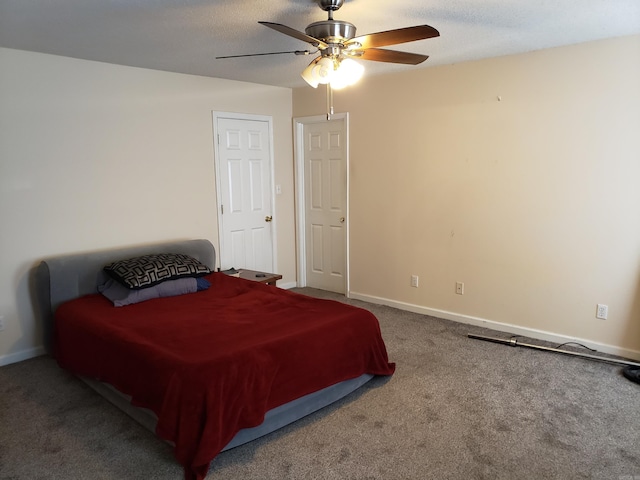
<point x="329" y="101"/>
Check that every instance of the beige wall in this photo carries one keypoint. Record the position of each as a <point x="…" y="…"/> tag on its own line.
<point x="94" y="155"/>
<point x="532" y="201"/>
<point x="519" y="176"/>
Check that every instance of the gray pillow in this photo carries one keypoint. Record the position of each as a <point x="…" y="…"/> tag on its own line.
<point x="121" y="295"/>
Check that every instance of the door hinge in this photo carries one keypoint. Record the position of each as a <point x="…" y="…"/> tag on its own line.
<point x="221" y="209"/>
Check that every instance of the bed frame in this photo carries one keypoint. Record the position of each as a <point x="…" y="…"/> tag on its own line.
<point x="63" y="278"/>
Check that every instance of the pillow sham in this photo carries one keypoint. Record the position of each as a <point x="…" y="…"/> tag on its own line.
<point x="121" y="296"/>
<point x="149" y="270"/>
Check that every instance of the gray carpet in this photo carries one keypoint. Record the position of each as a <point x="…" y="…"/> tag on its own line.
<point x="456" y="408"/>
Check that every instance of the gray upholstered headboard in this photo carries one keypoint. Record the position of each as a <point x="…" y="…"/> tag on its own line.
<point x="63" y="278"/>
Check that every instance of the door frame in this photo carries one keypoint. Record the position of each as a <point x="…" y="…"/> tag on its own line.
<point x="216" y="115"/>
<point x="298" y="149"/>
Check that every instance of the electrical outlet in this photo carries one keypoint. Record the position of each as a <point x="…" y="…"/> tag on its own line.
<point x="414" y="281"/>
<point x="602" y="311"/>
<point x="2" y="322"/>
<point x="459" y="288"/>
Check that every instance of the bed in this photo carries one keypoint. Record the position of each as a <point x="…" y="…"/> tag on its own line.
<point x="212" y="369"/>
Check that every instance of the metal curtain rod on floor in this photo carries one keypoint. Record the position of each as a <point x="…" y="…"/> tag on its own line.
<point x="514" y="343"/>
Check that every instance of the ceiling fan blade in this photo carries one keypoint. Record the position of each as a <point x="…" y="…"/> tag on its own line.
<point x="391" y="56"/>
<point x="393" y="37"/>
<point x="295" y="34"/>
<point x="297" y="52"/>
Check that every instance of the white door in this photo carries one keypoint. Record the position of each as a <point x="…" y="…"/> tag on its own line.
<point x="325" y="200"/>
<point x="243" y="172"/>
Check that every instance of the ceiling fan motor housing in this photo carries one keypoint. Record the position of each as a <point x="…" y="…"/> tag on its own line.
<point x="330" y="5"/>
<point x="332" y="31"/>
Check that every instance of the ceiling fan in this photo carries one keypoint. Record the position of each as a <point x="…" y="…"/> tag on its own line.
<point x="337" y="44"/>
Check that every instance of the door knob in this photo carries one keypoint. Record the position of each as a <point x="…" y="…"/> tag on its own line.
<point x="341" y="219"/>
<point x="268" y="218"/>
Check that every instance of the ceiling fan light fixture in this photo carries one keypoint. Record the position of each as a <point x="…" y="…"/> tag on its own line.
<point x="349" y="72"/>
<point x="307" y="75"/>
<point x="324" y="69"/>
<point x="320" y="70"/>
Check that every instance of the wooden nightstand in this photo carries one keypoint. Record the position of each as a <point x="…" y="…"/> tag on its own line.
<point x="262" y="277"/>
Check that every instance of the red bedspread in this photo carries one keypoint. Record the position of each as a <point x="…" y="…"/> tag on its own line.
<point x="214" y="362"/>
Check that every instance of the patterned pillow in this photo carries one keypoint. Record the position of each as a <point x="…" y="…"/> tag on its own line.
<point x="149" y="270"/>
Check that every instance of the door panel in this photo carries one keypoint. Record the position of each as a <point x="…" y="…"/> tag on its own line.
<point x="317" y="262"/>
<point x="245" y="189"/>
<point x="256" y="186"/>
<point x="337" y="251"/>
<point x="336" y="182"/>
<point x="325" y="205"/>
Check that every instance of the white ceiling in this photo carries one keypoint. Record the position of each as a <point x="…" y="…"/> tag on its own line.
<point x="186" y="35"/>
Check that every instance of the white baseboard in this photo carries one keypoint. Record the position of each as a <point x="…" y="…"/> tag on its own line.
<point x="22" y="355"/>
<point x="288" y="285"/>
<point x="493" y="325"/>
